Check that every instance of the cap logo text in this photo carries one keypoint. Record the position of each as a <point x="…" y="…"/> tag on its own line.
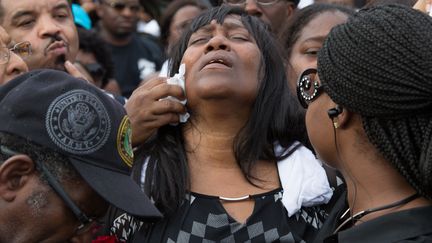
<point x="78" y="122"/>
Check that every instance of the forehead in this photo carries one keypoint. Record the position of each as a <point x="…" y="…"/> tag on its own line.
<point x="11" y="7"/>
<point x="186" y="13"/>
<point x="322" y="23"/>
<point x="122" y="1"/>
<point x="230" y="22"/>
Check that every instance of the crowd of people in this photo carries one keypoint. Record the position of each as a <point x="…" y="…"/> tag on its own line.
<point x="215" y="121"/>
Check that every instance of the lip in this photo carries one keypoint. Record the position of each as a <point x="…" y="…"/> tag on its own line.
<point x="216" y="60"/>
<point x="58" y="47"/>
<point x="126" y="23"/>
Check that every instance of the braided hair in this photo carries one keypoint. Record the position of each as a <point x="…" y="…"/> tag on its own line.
<point x="379" y="65"/>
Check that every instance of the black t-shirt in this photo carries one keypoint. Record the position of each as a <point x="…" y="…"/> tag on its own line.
<point x="135" y="61"/>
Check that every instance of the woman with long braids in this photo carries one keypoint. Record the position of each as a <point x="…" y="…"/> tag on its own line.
<point x="370" y="115"/>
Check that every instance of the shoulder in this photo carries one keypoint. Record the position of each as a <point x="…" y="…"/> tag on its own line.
<point x="147" y="42"/>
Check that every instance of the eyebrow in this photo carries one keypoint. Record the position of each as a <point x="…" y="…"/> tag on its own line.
<point x="21" y="13"/>
<point x="316" y="38"/>
<point x="228" y="25"/>
<point x="61" y="6"/>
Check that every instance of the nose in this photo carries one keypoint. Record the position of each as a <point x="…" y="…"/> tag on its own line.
<point x="48" y="27"/>
<point x="15" y="67"/>
<point x="127" y="12"/>
<point x="218" y="42"/>
<point x="252" y="8"/>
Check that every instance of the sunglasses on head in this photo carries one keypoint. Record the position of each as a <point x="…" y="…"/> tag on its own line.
<point x="308" y="87"/>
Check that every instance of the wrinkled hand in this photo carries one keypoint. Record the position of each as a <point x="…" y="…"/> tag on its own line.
<point x="147" y="112"/>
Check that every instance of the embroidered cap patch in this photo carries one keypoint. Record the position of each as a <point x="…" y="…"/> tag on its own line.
<point x="124" y="141"/>
<point x="78" y="122"/>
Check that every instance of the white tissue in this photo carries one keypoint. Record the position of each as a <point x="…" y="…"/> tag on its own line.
<point x="179" y="79"/>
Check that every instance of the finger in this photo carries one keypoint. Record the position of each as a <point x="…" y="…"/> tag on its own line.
<point x="162" y="120"/>
<point x="72" y="70"/>
<point x="165" y="90"/>
<point x="167" y="106"/>
<point x="153" y="82"/>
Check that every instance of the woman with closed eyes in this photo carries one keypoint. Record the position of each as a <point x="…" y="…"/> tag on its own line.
<point x="236" y="171"/>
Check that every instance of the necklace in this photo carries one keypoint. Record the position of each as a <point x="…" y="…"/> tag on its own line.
<point x="361" y="214"/>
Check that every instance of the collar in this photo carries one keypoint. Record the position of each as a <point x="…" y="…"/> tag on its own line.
<point x="393" y="227"/>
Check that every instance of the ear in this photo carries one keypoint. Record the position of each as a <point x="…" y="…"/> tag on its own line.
<point x="15" y="172"/>
<point x="290" y="8"/>
<point x="343" y="119"/>
<point x="99" y="10"/>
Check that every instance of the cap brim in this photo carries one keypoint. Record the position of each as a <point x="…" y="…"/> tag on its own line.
<point x="118" y="189"/>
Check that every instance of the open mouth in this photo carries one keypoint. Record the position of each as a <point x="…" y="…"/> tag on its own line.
<point x="220" y="61"/>
<point x="217" y="62"/>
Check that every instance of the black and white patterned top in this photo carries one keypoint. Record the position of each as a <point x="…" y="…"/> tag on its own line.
<point x="293" y="213"/>
<point x="202" y="218"/>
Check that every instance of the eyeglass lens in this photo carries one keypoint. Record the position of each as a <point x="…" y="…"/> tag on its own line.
<point x="22" y="49"/>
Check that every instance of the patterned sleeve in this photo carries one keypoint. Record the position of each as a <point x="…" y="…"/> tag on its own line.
<point x="120" y="224"/>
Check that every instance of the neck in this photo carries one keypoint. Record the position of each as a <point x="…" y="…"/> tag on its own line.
<point x="375" y="183"/>
<point x="113" y="39"/>
<point x="209" y="146"/>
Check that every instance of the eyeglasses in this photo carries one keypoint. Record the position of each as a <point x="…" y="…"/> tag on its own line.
<point x="308" y="87"/>
<point x="87" y="223"/>
<point x="259" y="2"/>
<point x="22" y="49"/>
<point x="118" y="6"/>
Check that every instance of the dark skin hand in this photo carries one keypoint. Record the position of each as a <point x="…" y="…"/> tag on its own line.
<point x="147" y="112"/>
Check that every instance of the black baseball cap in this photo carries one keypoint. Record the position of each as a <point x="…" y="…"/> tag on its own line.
<point x="76" y="119"/>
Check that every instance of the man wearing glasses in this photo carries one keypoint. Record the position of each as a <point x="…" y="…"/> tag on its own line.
<point x="11" y="57"/>
<point x="63" y="159"/>
<point x="48" y="25"/>
<point x="275" y="13"/>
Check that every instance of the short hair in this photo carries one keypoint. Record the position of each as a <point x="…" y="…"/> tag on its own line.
<point x="301" y="18"/>
<point x="56" y="163"/>
<point x="91" y="42"/>
<point x="276" y="117"/>
<point x="379" y="65"/>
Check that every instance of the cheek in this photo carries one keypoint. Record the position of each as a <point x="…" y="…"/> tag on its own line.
<point x="252" y="61"/>
<point x="2" y="74"/>
<point x="72" y="39"/>
<point x="190" y="58"/>
<point x="300" y="62"/>
<point x="320" y="133"/>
